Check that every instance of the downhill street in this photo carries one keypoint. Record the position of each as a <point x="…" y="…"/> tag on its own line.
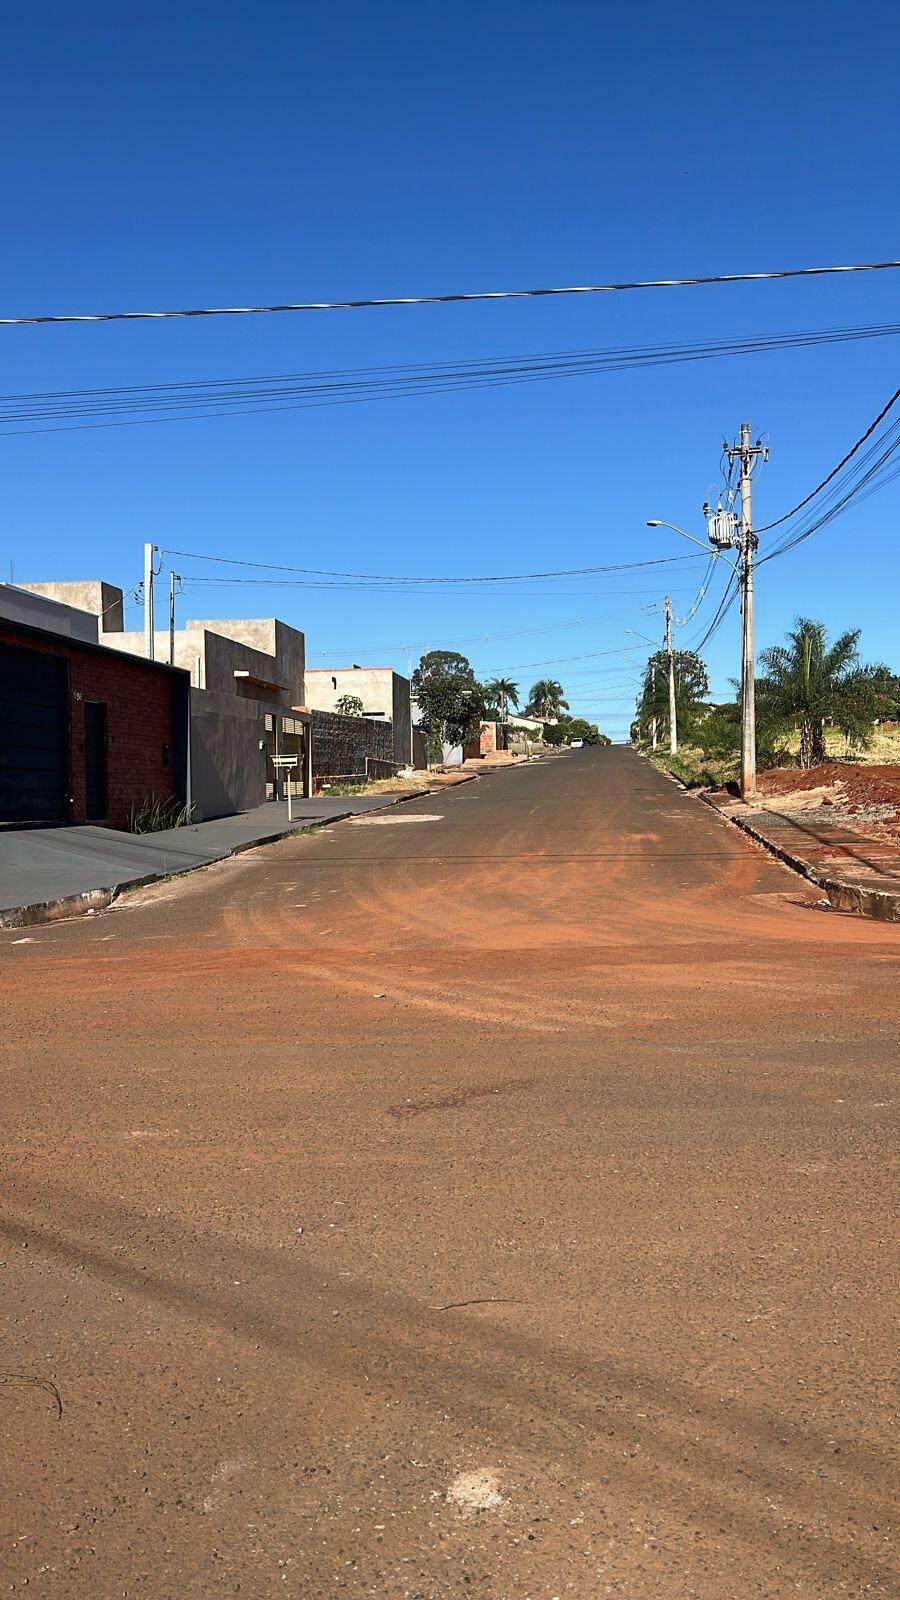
<point x="539" y="1131"/>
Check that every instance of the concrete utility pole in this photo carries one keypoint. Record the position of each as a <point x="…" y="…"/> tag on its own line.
<point x="173" y="580"/>
<point x="149" y="575"/>
<point x="412" y="734"/>
<point x="653" y="693"/>
<point x="673" y="724"/>
<point x="746" y="454"/>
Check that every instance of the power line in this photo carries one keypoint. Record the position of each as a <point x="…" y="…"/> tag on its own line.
<point x="729" y="596"/>
<point x="681" y="622"/>
<point x="868" y="475"/>
<point x="768" y="526"/>
<point x="403" y="581"/>
<point x="546" y="589"/>
<point x="560" y="661"/>
<point x="479" y="638"/>
<point x="450" y="299"/>
<point x="223" y="397"/>
<point x="405" y="368"/>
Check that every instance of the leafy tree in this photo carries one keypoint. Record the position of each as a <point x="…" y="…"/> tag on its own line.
<point x="449" y="697"/>
<point x="501" y="693"/>
<point x="546" y="700"/>
<point x="806" y="683"/>
<point x="569" y="728"/>
<point x="348" y="705"/>
<point x="691" y="684"/>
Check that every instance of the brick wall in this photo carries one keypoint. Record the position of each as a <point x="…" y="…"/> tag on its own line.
<point x="341" y="745"/>
<point x="488" y="741"/>
<point x="139" y="723"/>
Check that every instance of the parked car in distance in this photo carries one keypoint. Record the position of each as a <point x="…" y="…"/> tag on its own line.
<point x="575" y="744"/>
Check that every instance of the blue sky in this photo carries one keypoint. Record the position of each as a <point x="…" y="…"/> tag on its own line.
<point x="162" y="155"/>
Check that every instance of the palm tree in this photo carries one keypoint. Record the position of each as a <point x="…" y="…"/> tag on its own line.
<point x="691" y="684"/>
<point x="807" y="684"/>
<point x="502" y="693"/>
<point x="546" y="700"/>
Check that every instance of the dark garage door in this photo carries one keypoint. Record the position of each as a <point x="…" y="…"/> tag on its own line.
<point x="34" y="736"/>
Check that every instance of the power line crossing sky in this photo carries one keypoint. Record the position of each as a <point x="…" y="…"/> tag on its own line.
<point x="190" y="159"/>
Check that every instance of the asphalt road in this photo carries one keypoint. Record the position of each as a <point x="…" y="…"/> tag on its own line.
<point x="526" y="1147"/>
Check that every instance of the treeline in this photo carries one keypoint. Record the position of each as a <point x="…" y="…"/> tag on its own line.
<point x="803" y="688"/>
<point x="453" y="703"/>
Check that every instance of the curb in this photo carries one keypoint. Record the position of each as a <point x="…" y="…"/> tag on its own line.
<point x="79" y="905"/>
<point x="72" y="905"/>
<point x="100" y="899"/>
<point x="880" y="905"/>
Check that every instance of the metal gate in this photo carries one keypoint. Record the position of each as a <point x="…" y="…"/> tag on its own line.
<point x="34" y="736"/>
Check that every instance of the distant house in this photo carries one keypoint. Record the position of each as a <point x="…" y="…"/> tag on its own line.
<point x="384" y="693"/>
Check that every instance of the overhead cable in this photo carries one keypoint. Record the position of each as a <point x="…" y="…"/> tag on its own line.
<point x="730" y="594"/>
<point x="403" y="580"/>
<point x="375" y="302"/>
<point x="681" y="622"/>
<point x="865" y="478"/>
<point x="559" y="661"/>
<point x="768" y="526"/>
<point x="146" y="405"/>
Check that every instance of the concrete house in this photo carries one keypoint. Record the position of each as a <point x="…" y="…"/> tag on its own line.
<point x="385" y="695"/>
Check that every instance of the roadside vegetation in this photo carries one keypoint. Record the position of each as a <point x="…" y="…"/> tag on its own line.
<point x="546" y="699"/>
<point x="450" y="699"/>
<point x="569" y="728"/>
<point x="807" y="685"/>
<point x="815" y="701"/>
<point x="453" y="704"/>
<point x="498" y="695"/>
<point x="153" y="815"/>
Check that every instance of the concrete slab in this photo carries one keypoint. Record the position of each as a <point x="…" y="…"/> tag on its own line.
<point x="48" y="872"/>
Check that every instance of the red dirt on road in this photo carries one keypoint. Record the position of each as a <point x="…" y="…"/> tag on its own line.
<point x="862" y="785"/>
<point x="493" y="1197"/>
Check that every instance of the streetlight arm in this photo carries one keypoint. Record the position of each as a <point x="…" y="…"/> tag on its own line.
<point x="657" y="522"/>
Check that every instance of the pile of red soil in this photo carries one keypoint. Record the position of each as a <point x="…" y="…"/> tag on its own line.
<point x="860" y="785"/>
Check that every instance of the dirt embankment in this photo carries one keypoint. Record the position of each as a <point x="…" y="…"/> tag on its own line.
<point x="869" y="794"/>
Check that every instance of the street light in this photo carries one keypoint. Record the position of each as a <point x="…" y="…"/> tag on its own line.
<point x="656" y="522"/>
<point x="724" y="530"/>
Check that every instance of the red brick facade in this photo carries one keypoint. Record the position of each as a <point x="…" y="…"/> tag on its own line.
<point x="140" y="727"/>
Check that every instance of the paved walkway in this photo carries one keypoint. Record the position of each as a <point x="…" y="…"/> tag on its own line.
<point x="858" y="871"/>
<point x="46" y="872"/>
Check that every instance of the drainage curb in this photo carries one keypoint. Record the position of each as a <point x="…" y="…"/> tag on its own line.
<point x="73" y="905"/>
<point x="882" y="905"/>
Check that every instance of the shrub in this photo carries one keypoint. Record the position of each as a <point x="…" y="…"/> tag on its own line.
<point x="155" y="816"/>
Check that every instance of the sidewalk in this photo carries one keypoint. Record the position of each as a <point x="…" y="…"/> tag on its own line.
<point x="47" y="873"/>
<point x="858" y="871"/>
